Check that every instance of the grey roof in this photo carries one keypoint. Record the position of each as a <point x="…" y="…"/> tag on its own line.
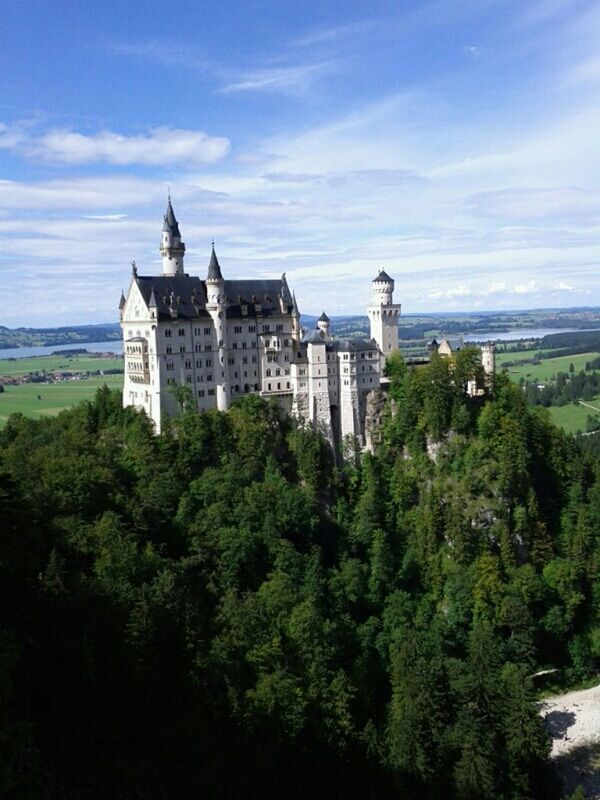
<point x="185" y="296"/>
<point x="314" y="337"/>
<point x="323" y="318"/>
<point x="383" y="276"/>
<point x="354" y="344"/>
<point x="455" y="343"/>
<point x="170" y="222"/>
<point x="122" y="300"/>
<point x="214" y="269"/>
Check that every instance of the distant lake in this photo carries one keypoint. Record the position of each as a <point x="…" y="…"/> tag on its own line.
<point x="115" y="346"/>
<point x="521" y="333"/>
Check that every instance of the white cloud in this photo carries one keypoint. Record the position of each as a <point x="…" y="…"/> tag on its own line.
<point x="160" y="146"/>
<point x="287" y="80"/>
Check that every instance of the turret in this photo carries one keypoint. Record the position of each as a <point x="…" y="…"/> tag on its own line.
<point x="296" y="328"/>
<point x="172" y="249"/>
<point x="488" y="359"/>
<point x="383" y="315"/>
<point x="216" y="307"/>
<point x="323" y="324"/>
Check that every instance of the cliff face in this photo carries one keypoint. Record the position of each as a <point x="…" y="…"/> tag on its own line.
<point x="375" y="407"/>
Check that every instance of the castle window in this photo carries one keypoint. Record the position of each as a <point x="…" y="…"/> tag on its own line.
<point x="209" y="362"/>
<point x="268" y="373"/>
<point x="267" y="343"/>
<point x="234" y="345"/>
<point x="245" y="360"/>
<point x="182" y="348"/>
<point x="286" y="342"/>
<point x="237" y="329"/>
<point x="288" y="384"/>
<point x="277" y="372"/>
<point x="279" y="386"/>
<point x="211" y="392"/>
<point x="200" y="392"/>
<point x="170" y="365"/>
<point x="207" y="331"/>
<point x="188" y="378"/>
<point x="208" y="347"/>
<point x="169" y="349"/>
<point x="231" y="361"/>
<point x="243" y="345"/>
<point x="197" y="331"/>
<point x="287" y="371"/>
<point x="286" y="357"/>
<point x="252" y="328"/>
<point x="198" y="348"/>
<point x="168" y="332"/>
<point x="362" y="355"/>
<point x="188" y="364"/>
<point x="269" y="386"/>
<point x="200" y="379"/>
<point x="254" y="359"/>
<point x="209" y="378"/>
<point x="279" y="327"/>
<point x="181" y="331"/>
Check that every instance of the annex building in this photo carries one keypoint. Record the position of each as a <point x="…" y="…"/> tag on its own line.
<point x="226" y="338"/>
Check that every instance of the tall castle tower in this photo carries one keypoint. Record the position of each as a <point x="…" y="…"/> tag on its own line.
<point x="172" y="249"/>
<point x="383" y="315"/>
<point x="216" y="306"/>
<point x="488" y="360"/>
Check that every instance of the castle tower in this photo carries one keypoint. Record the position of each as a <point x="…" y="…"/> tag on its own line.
<point x="488" y="360"/>
<point x="323" y="325"/>
<point x="296" y="328"/>
<point x="172" y="249"/>
<point x="216" y="307"/>
<point x="384" y="314"/>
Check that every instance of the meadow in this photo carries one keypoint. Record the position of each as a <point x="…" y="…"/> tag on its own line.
<point x="42" y="400"/>
<point x="547" y="368"/>
<point x="572" y="418"/>
<point x="80" y="363"/>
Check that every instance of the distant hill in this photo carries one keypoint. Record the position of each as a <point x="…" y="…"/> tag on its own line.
<point x="48" y="337"/>
<point x="413" y="327"/>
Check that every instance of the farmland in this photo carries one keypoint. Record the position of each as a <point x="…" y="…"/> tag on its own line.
<point x="79" y="363"/>
<point x="547" y="368"/>
<point x="48" y="399"/>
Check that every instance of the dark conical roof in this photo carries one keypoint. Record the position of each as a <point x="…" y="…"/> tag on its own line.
<point x="214" y="270"/>
<point x="170" y="222"/>
<point x="122" y="300"/>
<point x="383" y="276"/>
<point x="323" y="318"/>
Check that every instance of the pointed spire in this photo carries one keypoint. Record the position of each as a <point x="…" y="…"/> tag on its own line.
<point x="170" y="222"/>
<point x="214" y="270"/>
<point x="295" y="309"/>
<point x="152" y="301"/>
<point x="122" y="301"/>
<point x="323" y="318"/>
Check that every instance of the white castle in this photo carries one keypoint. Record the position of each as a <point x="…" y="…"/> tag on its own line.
<point x="226" y="338"/>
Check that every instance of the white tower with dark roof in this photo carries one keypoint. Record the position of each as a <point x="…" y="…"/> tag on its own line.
<point x="172" y="249"/>
<point x="384" y="314"/>
<point x="217" y="308"/>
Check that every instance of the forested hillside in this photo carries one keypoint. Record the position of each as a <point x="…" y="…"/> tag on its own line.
<point x="222" y="612"/>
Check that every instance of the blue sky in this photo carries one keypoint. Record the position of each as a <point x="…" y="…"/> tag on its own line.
<point x="455" y="143"/>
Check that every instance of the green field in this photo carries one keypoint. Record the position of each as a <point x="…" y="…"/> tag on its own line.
<point x="573" y="418"/>
<point x="546" y="368"/>
<point x="54" y="396"/>
<point x="82" y="363"/>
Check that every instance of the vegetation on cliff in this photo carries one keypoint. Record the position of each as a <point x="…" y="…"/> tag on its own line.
<point x="221" y="611"/>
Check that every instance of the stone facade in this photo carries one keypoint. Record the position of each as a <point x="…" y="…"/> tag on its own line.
<point x="225" y="338"/>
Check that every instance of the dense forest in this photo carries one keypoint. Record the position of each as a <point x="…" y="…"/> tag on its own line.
<point x="225" y="611"/>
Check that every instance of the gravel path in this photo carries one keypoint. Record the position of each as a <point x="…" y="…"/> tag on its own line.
<point x="573" y="721"/>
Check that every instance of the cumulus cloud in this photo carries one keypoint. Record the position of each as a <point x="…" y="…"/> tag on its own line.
<point x="159" y="146"/>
